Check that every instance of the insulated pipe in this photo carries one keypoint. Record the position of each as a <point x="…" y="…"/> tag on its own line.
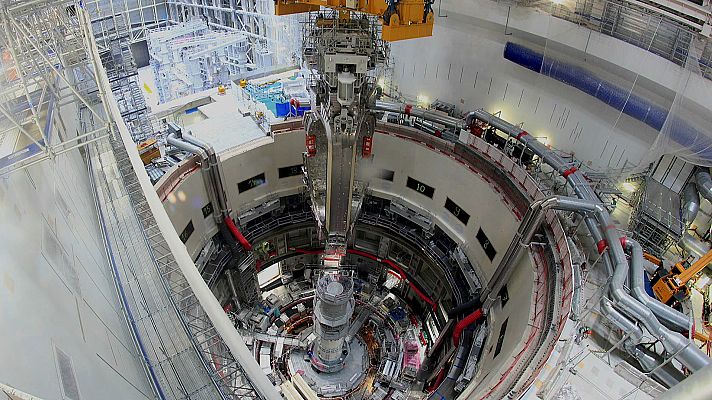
<point x="674" y="343"/>
<point x="175" y="140"/>
<point x="237" y="234"/>
<point x="464" y="307"/>
<point x="447" y="385"/>
<point x="695" y="387"/>
<point x="674" y="318"/>
<point x="214" y="171"/>
<point x="233" y="289"/>
<point x="682" y="348"/>
<point x="634" y="332"/>
<point x="522" y="238"/>
<point x="704" y="183"/>
<point x="428" y="115"/>
<point x="464" y="323"/>
<point x="691" y="202"/>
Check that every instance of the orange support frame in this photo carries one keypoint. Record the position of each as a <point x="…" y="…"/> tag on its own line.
<point x="409" y="22"/>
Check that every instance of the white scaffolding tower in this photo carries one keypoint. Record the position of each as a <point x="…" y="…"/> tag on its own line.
<point x="48" y="77"/>
<point x="188" y="57"/>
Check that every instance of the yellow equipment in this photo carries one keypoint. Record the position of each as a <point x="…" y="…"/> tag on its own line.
<point x="221" y="90"/>
<point x="674" y="284"/>
<point x="404" y="19"/>
<point x="148" y="151"/>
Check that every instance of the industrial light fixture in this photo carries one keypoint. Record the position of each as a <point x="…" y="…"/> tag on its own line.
<point x="629" y="186"/>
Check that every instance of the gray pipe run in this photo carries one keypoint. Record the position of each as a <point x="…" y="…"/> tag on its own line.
<point x="427" y="115"/>
<point x="174" y="140"/>
<point x="599" y="224"/>
<point x="674" y="319"/>
<point x="704" y="183"/>
<point x="693" y="246"/>
<point x="209" y="166"/>
<point x="691" y="203"/>
<point x="233" y="288"/>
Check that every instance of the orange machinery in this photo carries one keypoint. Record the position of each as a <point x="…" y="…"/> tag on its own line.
<point x="403" y="19"/>
<point x="674" y="285"/>
<point x="148" y="150"/>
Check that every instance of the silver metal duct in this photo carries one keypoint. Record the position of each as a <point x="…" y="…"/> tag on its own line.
<point x="427" y="115"/>
<point x="704" y="183"/>
<point x="695" y="387"/>
<point x="209" y="166"/>
<point x="174" y="140"/>
<point x="215" y="172"/>
<point x="691" y="203"/>
<point x="693" y="246"/>
<point x="677" y="320"/>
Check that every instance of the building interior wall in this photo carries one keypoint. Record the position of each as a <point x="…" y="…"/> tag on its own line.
<point x="467" y="69"/>
<point x="57" y="289"/>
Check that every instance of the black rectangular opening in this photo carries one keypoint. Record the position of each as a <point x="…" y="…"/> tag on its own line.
<point x="286" y="172"/>
<point x="457" y="211"/>
<point x="386" y="175"/>
<point x="207" y="210"/>
<point x="247" y="184"/>
<point x="504" y="295"/>
<point x="486" y="244"/>
<point x="500" y="339"/>
<point x="420" y="187"/>
<point x="187" y="231"/>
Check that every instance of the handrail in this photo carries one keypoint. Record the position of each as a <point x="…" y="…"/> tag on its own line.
<point x="206" y="298"/>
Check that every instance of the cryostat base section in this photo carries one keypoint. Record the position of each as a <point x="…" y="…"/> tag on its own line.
<point x="340" y="383"/>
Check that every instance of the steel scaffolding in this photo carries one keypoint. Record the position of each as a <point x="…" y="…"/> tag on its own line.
<point x="47" y="74"/>
<point x="653" y="27"/>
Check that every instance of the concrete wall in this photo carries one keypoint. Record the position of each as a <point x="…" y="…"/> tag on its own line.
<point x="57" y="290"/>
<point x="462" y="64"/>
<point x="262" y="156"/>
<point x="185" y="205"/>
<point x="518" y="313"/>
<point x="451" y="180"/>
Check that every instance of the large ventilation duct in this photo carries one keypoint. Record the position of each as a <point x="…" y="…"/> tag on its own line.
<point x="213" y="166"/>
<point x="211" y="176"/>
<point x="691" y="202"/>
<point x="673" y="318"/>
<point x="620" y="99"/>
<point x="693" y="246"/>
<point x="599" y="224"/>
<point x="704" y="184"/>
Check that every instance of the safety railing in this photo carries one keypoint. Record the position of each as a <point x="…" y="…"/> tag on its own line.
<point x="168" y="348"/>
<point x="218" y="362"/>
<point x="188" y="358"/>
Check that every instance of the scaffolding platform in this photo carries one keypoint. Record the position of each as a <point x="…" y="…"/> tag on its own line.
<point x="655" y="220"/>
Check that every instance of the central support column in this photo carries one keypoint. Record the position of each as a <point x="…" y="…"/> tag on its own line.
<point x="333" y="308"/>
<point x="343" y="55"/>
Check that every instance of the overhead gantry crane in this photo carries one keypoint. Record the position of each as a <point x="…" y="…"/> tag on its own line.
<point x="402" y="19"/>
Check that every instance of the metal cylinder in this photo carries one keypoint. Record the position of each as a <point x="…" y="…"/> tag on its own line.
<point x="333" y="307"/>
